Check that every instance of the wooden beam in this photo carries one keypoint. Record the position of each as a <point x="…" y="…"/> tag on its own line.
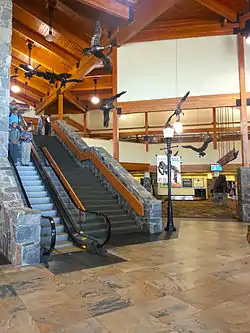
<point x="220" y="9"/>
<point x="38" y="54"/>
<point x="111" y="7"/>
<point x="115" y="115"/>
<point x="214" y="129"/>
<point x="39" y="11"/>
<point x="104" y="82"/>
<point x="146" y="12"/>
<point x="146" y="130"/>
<point x="168" y="104"/>
<point x="27" y="90"/>
<point x="39" y="39"/>
<point x="85" y="127"/>
<point x="75" y="102"/>
<point x="60" y="107"/>
<point x="243" y="97"/>
<point x="22" y="98"/>
<point x="183" y="29"/>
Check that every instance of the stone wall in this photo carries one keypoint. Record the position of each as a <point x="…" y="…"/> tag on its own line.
<point x="243" y="176"/>
<point x="152" y="219"/>
<point x="19" y="226"/>
<point x="5" y="61"/>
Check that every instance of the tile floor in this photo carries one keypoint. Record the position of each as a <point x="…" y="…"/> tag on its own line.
<point x="198" y="283"/>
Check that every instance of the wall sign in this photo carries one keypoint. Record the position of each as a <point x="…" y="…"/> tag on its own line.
<point x="187" y="182"/>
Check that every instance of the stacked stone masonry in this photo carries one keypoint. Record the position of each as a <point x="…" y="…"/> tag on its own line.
<point x="152" y="220"/>
<point x="19" y="226"/>
<point x="244" y="194"/>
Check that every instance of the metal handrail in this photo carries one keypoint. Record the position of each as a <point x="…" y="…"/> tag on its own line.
<point x="51" y="220"/>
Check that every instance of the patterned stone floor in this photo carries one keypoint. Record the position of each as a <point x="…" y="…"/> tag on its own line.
<point x="198" y="283"/>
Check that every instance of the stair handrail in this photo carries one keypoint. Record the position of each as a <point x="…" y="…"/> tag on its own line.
<point x="113" y="180"/>
<point x="46" y="252"/>
<point x="71" y="193"/>
<point x="55" y="167"/>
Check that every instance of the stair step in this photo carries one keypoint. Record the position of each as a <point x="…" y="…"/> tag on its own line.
<point x="43" y="207"/>
<point x="119" y="230"/>
<point x="101" y="225"/>
<point x="45" y="222"/>
<point x="51" y="213"/>
<point x="37" y="194"/>
<point x="64" y="245"/>
<point x="46" y="230"/>
<point x="27" y="173"/>
<point x="32" y="182"/>
<point x="35" y="188"/>
<point x="60" y="237"/>
<point x="41" y="200"/>
<point x="29" y="178"/>
<point x="26" y="168"/>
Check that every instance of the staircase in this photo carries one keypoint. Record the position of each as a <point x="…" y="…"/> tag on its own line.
<point x="40" y="200"/>
<point x="93" y="195"/>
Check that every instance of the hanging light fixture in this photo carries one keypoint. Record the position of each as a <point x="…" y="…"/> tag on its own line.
<point x="50" y="5"/>
<point x="95" y="99"/>
<point x="15" y="88"/>
<point x="30" y="45"/>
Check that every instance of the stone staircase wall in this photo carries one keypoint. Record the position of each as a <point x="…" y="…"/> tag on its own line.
<point x="152" y="219"/>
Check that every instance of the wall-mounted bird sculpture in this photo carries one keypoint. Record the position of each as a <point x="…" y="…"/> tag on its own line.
<point x="29" y="72"/>
<point x="108" y="106"/>
<point x="96" y="48"/>
<point x="202" y="149"/>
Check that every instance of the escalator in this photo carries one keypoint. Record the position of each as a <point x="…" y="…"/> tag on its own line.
<point x="63" y="222"/>
<point x="89" y="190"/>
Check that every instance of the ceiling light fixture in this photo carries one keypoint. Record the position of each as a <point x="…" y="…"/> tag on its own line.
<point x="95" y="99"/>
<point x="30" y="45"/>
<point x="15" y="89"/>
<point x="51" y="5"/>
<point x="122" y="117"/>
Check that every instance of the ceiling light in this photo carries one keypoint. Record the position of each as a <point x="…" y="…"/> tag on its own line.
<point x="178" y="127"/>
<point x="15" y="89"/>
<point x="122" y="116"/>
<point x="95" y="100"/>
<point x="168" y="132"/>
<point x="50" y="37"/>
<point x="30" y="67"/>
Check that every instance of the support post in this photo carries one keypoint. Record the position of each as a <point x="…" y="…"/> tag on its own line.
<point x="60" y="107"/>
<point x="170" y="224"/>
<point x="243" y="97"/>
<point x="214" y="129"/>
<point x="115" y="115"/>
<point x="85" y="123"/>
<point x="146" y="130"/>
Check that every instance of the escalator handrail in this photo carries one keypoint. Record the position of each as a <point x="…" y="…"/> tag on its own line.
<point x="106" y="219"/>
<point x="20" y="181"/>
<point x="51" y="220"/>
<point x="74" y="198"/>
<point x="47" y="252"/>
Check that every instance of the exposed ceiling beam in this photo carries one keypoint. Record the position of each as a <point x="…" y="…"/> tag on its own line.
<point x="36" y="81"/>
<point x="182" y="29"/>
<point x="40" y="12"/>
<point x="22" y="98"/>
<point x="75" y="102"/>
<point x="146" y="13"/>
<point x="103" y="82"/>
<point x="27" y="90"/>
<point x="168" y="104"/>
<point x="220" y="9"/>
<point x="109" y="6"/>
<point x="38" y="54"/>
<point x="39" y="39"/>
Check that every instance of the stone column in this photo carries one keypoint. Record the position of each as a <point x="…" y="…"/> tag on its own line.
<point x="5" y="61"/>
<point x="243" y="180"/>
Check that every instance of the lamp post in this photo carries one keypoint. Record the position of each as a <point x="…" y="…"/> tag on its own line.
<point x="168" y="134"/>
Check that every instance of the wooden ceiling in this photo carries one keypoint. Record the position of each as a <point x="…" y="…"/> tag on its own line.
<point x="73" y="23"/>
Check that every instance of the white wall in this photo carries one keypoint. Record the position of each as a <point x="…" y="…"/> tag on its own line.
<point x="163" y="69"/>
<point x="135" y="152"/>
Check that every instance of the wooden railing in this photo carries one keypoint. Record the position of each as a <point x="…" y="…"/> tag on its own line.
<point x="111" y="178"/>
<point x="63" y="180"/>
